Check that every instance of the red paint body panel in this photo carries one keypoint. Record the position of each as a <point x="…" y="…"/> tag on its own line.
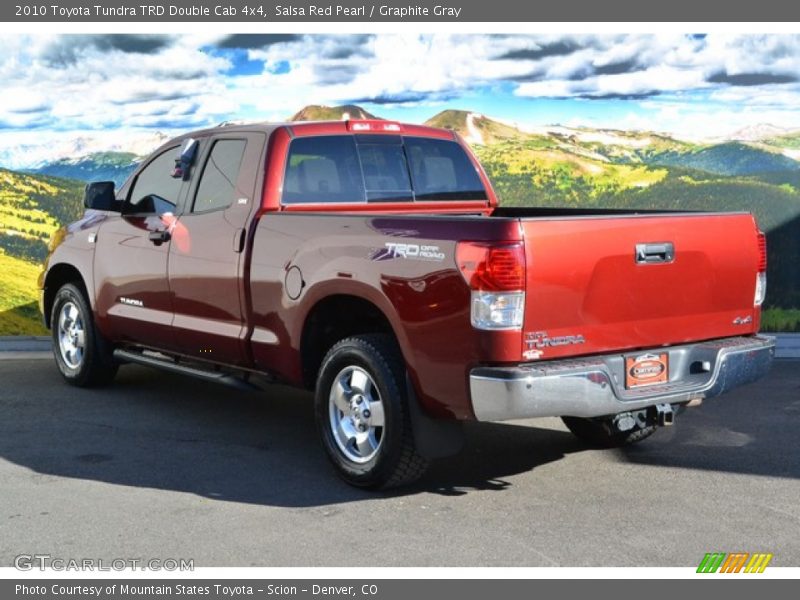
<point x="427" y="303"/>
<point x="207" y="268"/>
<point x="70" y="248"/>
<point x="583" y="280"/>
<point x="128" y="265"/>
<point x="200" y="297"/>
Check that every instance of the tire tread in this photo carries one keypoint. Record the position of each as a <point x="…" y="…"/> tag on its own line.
<point x="100" y="368"/>
<point x="410" y="464"/>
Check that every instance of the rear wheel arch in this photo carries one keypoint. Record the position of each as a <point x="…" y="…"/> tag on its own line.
<point x="334" y="318"/>
<point x="434" y="438"/>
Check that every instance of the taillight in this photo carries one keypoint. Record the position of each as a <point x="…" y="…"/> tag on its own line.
<point x="495" y="273"/>
<point x="373" y="125"/>
<point x="761" y="276"/>
<point x="492" y="267"/>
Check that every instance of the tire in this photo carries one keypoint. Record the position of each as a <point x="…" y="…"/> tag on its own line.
<point x="361" y="383"/>
<point x="597" y="432"/>
<point x="83" y="357"/>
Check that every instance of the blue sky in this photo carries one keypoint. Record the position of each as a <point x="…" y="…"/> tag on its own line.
<point x="692" y="86"/>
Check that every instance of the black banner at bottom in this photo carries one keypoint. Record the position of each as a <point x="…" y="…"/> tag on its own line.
<point x="378" y="589"/>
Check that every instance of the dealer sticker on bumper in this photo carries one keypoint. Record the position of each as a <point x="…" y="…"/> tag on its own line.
<point x="646" y="369"/>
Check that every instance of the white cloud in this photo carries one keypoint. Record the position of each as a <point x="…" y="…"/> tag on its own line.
<point x="78" y="83"/>
<point x="71" y="83"/>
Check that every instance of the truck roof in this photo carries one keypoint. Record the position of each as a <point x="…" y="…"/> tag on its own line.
<point x="301" y="128"/>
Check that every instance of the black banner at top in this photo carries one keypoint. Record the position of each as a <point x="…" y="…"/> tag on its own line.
<point x="457" y="11"/>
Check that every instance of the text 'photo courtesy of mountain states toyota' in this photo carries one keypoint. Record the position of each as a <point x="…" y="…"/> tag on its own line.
<point x="368" y="260"/>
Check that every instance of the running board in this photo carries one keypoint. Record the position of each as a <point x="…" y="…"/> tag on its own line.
<point x="168" y="364"/>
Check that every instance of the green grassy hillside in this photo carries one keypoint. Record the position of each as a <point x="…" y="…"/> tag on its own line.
<point x="489" y="130"/>
<point x="733" y="158"/>
<point x="788" y="140"/>
<point x="551" y="166"/>
<point x="31" y="209"/>
<point x="19" y="311"/>
<point x="537" y="172"/>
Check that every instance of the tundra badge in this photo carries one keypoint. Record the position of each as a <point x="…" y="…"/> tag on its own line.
<point x="131" y="301"/>
<point x="540" y="339"/>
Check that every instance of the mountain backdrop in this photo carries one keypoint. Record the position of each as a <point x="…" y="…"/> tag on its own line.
<point x="32" y="208"/>
<point x="756" y="169"/>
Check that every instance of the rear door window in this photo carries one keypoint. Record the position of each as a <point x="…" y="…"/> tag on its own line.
<point x="378" y="168"/>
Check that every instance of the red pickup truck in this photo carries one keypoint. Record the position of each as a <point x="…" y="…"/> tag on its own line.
<point x="370" y="261"/>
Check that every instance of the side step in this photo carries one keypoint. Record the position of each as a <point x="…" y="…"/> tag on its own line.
<point x="169" y="364"/>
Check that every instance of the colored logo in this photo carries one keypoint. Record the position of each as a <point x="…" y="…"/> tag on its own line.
<point x="736" y="562"/>
<point x="646" y="369"/>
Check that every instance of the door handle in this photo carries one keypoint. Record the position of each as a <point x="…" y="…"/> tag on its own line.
<point x="159" y="237"/>
<point x="238" y="240"/>
<point x="661" y="252"/>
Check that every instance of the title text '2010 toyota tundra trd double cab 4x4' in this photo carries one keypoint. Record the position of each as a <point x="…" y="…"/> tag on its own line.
<point x="370" y="261"/>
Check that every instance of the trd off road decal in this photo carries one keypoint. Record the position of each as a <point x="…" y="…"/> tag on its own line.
<point x="426" y="252"/>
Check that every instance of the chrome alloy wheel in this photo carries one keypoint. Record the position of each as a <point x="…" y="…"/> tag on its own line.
<point x="356" y="414"/>
<point x="71" y="335"/>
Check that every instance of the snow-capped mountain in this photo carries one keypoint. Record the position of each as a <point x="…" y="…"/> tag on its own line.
<point x="26" y="152"/>
<point x="756" y="133"/>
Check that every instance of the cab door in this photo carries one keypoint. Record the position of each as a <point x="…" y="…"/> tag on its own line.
<point x="207" y="254"/>
<point x="134" y="302"/>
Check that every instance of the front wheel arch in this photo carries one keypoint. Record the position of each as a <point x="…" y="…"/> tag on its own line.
<point x="57" y="276"/>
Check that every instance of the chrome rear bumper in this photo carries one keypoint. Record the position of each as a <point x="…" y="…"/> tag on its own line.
<point x="594" y="386"/>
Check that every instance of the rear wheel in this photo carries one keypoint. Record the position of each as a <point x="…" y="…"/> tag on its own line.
<point x="603" y="433"/>
<point x="362" y="413"/>
<point x="83" y="357"/>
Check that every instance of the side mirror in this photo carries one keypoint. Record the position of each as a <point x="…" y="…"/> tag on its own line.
<point x="100" y="196"/>
<point x="185" y="158"/>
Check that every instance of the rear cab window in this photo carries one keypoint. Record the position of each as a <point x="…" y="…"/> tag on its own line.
<point x="363" y="168"/>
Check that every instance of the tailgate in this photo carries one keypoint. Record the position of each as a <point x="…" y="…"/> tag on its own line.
<point x="602" y="284"/>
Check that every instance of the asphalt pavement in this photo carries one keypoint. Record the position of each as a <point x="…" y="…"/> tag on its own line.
<point x="162" y="466"/>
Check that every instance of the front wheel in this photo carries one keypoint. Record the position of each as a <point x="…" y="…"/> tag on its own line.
<point x="84" y="358"/>
<point x="362" y="413"/>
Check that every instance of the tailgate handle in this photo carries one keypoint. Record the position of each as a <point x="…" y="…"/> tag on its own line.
<point x="661" y="252"/>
